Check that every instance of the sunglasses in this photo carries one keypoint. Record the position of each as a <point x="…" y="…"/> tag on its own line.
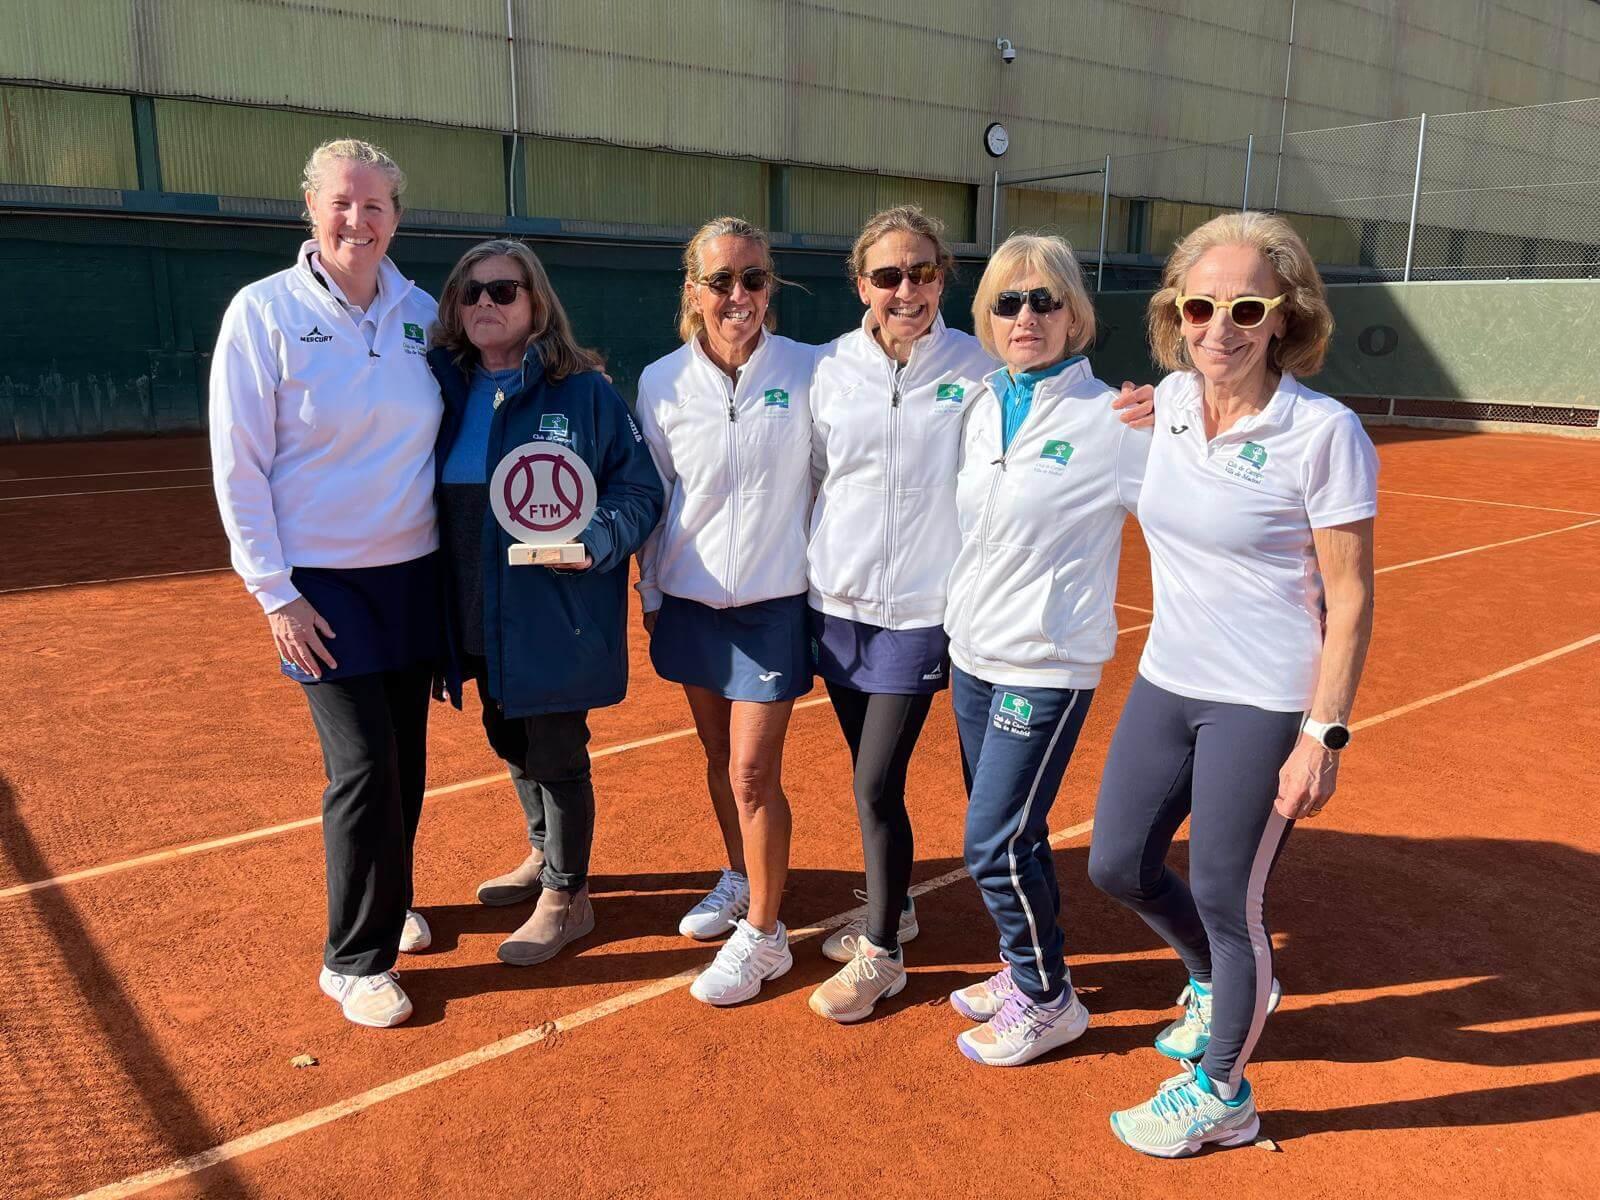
<point x="888" y="278"/>
<point x="755" y="279"/>
<point x="1009" y="304"/>
<point x="501" y="291"/>
<point x="1245" y="311"/>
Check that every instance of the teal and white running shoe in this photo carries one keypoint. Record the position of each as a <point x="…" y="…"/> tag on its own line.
<point x="1184" y="1115"/>
<point x="1188" y="1036"/>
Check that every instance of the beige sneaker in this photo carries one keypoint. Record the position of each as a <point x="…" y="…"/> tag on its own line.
<point x="834" y="947"/>
<point x="375" y="1001"/>
<point x="516" y="885"/>
<point x="560" y="917"/>
<point x="870" y="975"/>
<point x="415" y="936"/>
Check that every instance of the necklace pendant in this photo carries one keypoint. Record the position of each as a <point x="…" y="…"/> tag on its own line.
<point x="499" y="397"/>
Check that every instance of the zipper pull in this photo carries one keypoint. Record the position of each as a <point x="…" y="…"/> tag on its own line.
<point x="998" y="462"/>
<point x="733" y="413"/>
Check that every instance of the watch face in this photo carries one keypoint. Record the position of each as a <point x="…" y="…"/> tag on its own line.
<point x="996" y="140"/>
<point x="1336" y="737"/>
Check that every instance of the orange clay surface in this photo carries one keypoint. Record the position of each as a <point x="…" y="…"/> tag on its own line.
<point x="1435" y="925"/>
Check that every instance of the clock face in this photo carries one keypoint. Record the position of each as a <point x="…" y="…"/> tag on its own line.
<point x="996" y="140"/>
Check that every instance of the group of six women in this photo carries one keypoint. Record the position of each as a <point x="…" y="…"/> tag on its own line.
<point x="905" y="509"/>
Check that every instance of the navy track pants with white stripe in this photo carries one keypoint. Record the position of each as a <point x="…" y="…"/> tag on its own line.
<point x="1217" y="764"/>
<point x="1015" y="745"/>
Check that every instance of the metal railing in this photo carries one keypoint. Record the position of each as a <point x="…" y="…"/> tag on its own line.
<point x="1505" y="193"/>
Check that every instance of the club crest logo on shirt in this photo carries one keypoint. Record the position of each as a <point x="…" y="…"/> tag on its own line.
<point x="553" y="428"/>
<point x="1247" y="466"/>
<point x="1015" y="714"/>
<point x="1053" y="457"/>
<point x="1255" y="454"/>
<point x="413" y="333"/>
<point x="775" y="400"/>
<point x="949" y="397"/>
<point x="316" y="335"/>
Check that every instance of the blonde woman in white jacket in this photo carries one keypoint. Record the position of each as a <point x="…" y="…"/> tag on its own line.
<point x="1048" y="476"/>
<point x="889" y="403"/>
<point x="723" y="578"/>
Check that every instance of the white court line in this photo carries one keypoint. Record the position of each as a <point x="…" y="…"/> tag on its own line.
<point x="101" y="475"/>
<point x="171" y="487"/>
<point x="1417" y="562"/>
<point x="1572" y="512"/>
<point x="352" y="1105"/>
<point x="359" y="1103"/>
<point x="47" y="587"/>
<point x="1134" y="607"/>
<point x="255" y="835"/>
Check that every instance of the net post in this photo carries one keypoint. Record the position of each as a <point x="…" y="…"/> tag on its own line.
<point x="1416" y="194"/>
<point x="1249" y="155"/>
<point x="1105" y="206"/>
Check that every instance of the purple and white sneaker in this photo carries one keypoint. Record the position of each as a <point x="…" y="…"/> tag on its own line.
<point x="980" y="1001"/>
<point x="1023" y="1030"/>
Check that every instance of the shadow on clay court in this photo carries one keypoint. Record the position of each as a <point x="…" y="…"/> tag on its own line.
<point x="43" y="1059"/>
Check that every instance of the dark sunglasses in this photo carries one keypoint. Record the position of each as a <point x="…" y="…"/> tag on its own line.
<point x="888" y="278"/>
<point x="501" y="291"/>
<point x="1009" y="304"/>
<point x="1246" y="311"/>
<point x="755" y="279"/>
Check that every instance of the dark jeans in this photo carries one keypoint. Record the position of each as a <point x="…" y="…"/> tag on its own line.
<point x="548" y="759"/>
<point x="374" y="732"/>
<point x="882" y="732"/>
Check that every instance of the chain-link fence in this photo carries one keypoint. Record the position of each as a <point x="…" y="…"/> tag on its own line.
<point x="1509" y="193"/>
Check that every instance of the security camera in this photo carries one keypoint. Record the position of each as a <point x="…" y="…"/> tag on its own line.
<point x="1008" y="52"/>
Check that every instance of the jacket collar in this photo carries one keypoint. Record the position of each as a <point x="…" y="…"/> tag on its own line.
<point x="455" y="381"/>
<point x="927" y="343"/>
<point x="393" y="287"/>
<point x="1192" y="401"/>
<point x="1068" y="378"/>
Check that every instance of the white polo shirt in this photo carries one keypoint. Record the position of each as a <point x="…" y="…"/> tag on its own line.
<point x="1238" y="594"/>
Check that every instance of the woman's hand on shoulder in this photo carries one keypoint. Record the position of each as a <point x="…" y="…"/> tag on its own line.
<point x="297" y="631"/>
<point x="1307" y="779"/>
<point x="1136" y="405"/>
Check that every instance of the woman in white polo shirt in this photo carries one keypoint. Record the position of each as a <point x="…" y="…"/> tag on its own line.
<point x="1047" y="478"/>
<point x="1258" y="507"/>
<point x="323" y="419"/>
<point x="727" y="418"/>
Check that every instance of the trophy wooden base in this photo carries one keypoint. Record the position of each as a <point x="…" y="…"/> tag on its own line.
<point x="523" y="555"/>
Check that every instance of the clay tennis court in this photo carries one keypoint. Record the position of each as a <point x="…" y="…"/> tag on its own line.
<point x="161" y="906"/>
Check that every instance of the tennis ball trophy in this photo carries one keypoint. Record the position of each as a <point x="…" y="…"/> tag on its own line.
<point x="543" y="494"/>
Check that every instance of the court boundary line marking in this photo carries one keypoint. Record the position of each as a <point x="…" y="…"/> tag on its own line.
<point x="101" y="474"/>
<point x="170" y="487"/>
<point x="351" y="1105"/>
<point x="1574" y="512"/>
<point x="46" y="587"/>
<point x="1418" y="562"/>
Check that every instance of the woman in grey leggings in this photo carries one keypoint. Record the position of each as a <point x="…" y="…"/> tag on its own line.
<point x="1258" y="504"/>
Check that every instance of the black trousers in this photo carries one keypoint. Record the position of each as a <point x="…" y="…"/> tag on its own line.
<point x="882" y="731"/>
<point x="547" y="757"/>
<point x="374" y="731"/>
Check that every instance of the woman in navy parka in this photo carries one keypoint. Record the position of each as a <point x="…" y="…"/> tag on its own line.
<point x="545" y="644"/>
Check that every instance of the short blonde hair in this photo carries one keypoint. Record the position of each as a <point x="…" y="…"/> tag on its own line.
<point x="552" y="331"/>
<point x="1051" y="257"/>
<point x="902" y="218"/>
<point x="690" y="323"/>
<point x="1307" y="322"/>
<point x="351" y="150"/>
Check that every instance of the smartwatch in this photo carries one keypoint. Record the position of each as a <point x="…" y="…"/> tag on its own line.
<point x="1334" y="735"/>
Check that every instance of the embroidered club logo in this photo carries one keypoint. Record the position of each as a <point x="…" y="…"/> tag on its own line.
<point x="554" y="424"/>
<point x="1255" y="454"/>
<point x="413" y="333"/>
<point x="316" y="335"/>
<point x="951" y="391"/>
<point x="1057" y="452"/>
<point x="1017" y="706"/>
<point x="775" y="398"/>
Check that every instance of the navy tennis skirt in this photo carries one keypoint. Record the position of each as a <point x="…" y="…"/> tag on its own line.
<point x="753" y="652"/>
<point x="869" y="658"/>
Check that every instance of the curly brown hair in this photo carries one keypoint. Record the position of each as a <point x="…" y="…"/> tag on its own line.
<point x="1308" y="325"/>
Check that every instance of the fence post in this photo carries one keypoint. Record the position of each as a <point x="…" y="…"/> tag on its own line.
<point x="1416" y="194"/>
<point x="1105" y="207"/>
<point x="994" y="212"/>
<point x="1249" y="154"/>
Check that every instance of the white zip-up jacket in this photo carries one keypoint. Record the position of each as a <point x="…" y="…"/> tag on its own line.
<point x="885" y="445"/>
<point x="1031" y="595"/>
<point x="736" y="464"/>
<point x="321" y="444"/>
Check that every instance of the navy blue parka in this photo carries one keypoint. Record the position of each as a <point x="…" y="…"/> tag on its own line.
<point x="556" y="641"/>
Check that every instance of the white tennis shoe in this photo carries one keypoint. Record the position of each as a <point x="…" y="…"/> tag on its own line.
<point x="1024" y="1029"/>
<point x="746" y="961"/>
<point x="415" y="936"/>
<point x="1185" y="1115"/>
<point x="375" y="1001"/>
<point x="834" y="946"/>
<point x="720" y="909"/>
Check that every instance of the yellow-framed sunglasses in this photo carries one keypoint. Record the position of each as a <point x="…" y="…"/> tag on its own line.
<point x="1246" y="311"/>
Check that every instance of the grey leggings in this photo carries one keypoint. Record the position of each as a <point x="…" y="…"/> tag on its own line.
<point x="1217" y="764"/>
